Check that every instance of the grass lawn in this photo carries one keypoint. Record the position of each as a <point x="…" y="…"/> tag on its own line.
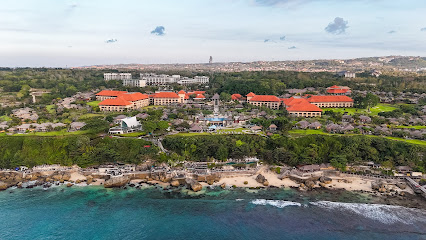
<point x="93" y="103"/>
<point x="374" y="111"/>
<point x="50" y="108"/>
<point x="133" y="134"/>
<point x="232" y="130"/>
<point x="54" y="133"/>
<point x="191" y="134"/>
<point x="307" y="132"/>
<point x="5" y="118"/>
<point x="151" y="106"/>
<point x="91" y="115"/>
<point x="411" y="127"/>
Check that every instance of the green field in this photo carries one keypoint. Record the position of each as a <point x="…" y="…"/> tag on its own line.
<point x="93" y="103"/>
<point x="91" y="115"/>
<point x="320" y="132"/>
<point x="50" y="108"/>
<point x="412" y="127"/>
<point x="307" y="132"/>
<point x="133" y="134"/>
<point x="374" y="111"/>
<point x="53" y="133"/>
<point x="5" y="118"/>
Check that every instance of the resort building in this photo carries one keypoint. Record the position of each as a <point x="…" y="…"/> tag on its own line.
<point x="108" y="94"/>
<point x="117" y="76"/>
<point x="165" y="98"/>
<point x="339" y="90"/>
<point x="268" y="101"/>
<point x="124" y="102"/>
<point x="331" y="101"/>
<point x="301" y="107"/>
<point x="127" y="125"/>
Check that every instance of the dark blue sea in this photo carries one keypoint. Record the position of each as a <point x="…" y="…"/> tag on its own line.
<point x="98" y="213"/>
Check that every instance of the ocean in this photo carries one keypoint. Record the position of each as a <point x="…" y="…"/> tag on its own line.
<point x="151" y="213"/>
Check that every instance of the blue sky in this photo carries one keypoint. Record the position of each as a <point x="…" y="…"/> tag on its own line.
<point x="59" y="33"/>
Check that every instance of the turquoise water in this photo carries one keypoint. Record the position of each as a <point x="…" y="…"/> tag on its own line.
<point x="98" y="213"/>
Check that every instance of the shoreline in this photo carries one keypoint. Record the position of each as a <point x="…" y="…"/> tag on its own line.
<point x="332" y="186"/>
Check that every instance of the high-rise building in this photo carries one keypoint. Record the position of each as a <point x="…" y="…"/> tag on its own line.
<point x="211" y="60"/>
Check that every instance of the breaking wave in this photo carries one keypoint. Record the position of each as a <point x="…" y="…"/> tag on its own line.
<point x="275" y="203"/>
<point x="386" y="214"/>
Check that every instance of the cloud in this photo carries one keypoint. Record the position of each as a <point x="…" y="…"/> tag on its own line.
<point x="111" y="41"/>
<point x="423" y="29"/>
<point x="267" y="40"/>
<point x="392" y="31"/>
<point x="159" y="31"/>
<point x="282" y="38"/>
<point x="292" y="47"/>
<point x="338" y="26"/>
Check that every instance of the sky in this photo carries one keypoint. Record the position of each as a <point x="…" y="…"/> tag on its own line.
<point x="69" y="33"/>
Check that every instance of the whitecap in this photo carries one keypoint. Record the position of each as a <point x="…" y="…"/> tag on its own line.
<point x="275" y="203"/>
<point x="387" y="214"/>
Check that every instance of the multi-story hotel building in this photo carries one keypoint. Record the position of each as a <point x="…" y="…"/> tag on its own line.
<point x="107" y="94"/>
<point x="164" y="98"/>
<point x="268" y="101"/>
<point x="331" y="101"/>
<point x="117" y="76"/>
<point x="123" y="102"/>
<point x="300" y="107"/>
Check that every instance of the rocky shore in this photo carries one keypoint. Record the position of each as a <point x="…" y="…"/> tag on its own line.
<point x="378" y="191"/>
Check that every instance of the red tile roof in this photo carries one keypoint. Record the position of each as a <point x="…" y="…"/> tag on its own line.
<point x="181" y="92"/>
<point x="304" y="107"/>
<point x="166" y="95"/>
<point x="320" y="99"/>
<point x="132" y="97"/>
<point x="200" y="96"/>
<point x="337" y="90"/>
<point x="264" y="98"/>
<point x="110" y="93"/>
<point x="250" y="94"/>
<point x="292" y="101"/>
<point x="196" y="92"/>
<point x="115" y="102"/>
<point x="236" y="96"/>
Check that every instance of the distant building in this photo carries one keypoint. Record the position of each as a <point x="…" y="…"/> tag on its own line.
<point x="339" y="90"/>
<point x="300" y="107"/>
<point x="347" y="74"/>
<point x="117" y="76"/>
<point x="165" y="98"/>
<point x="134" y="82"/>
<point x="161" y="80"/>
<point x="211" y="60"/>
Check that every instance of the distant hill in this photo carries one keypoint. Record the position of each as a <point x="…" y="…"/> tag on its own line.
<point x="387" y="63"/>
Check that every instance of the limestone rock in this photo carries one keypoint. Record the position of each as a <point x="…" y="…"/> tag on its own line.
<point x="223" y="185"/>
<point x="401" y="185"/>
<point x="310" y="184"/>
<point x="266" y="183"/>
<point x="116" y="182"/>
<point x="69" y="184"/>
<point x="3" y="186"/>
<point x="175" y="183"/>
<point x="325" y="180"/>
<point x="194" y="185"/>
<point x="89" y="179"/>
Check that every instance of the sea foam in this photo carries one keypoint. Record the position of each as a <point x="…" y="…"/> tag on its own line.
<point x="275" y="203"/>
<point x="386" y="214"/>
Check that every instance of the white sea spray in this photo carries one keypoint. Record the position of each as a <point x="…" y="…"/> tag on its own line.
<point x="275" y="203"/>
<point x="387" y="214"/>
